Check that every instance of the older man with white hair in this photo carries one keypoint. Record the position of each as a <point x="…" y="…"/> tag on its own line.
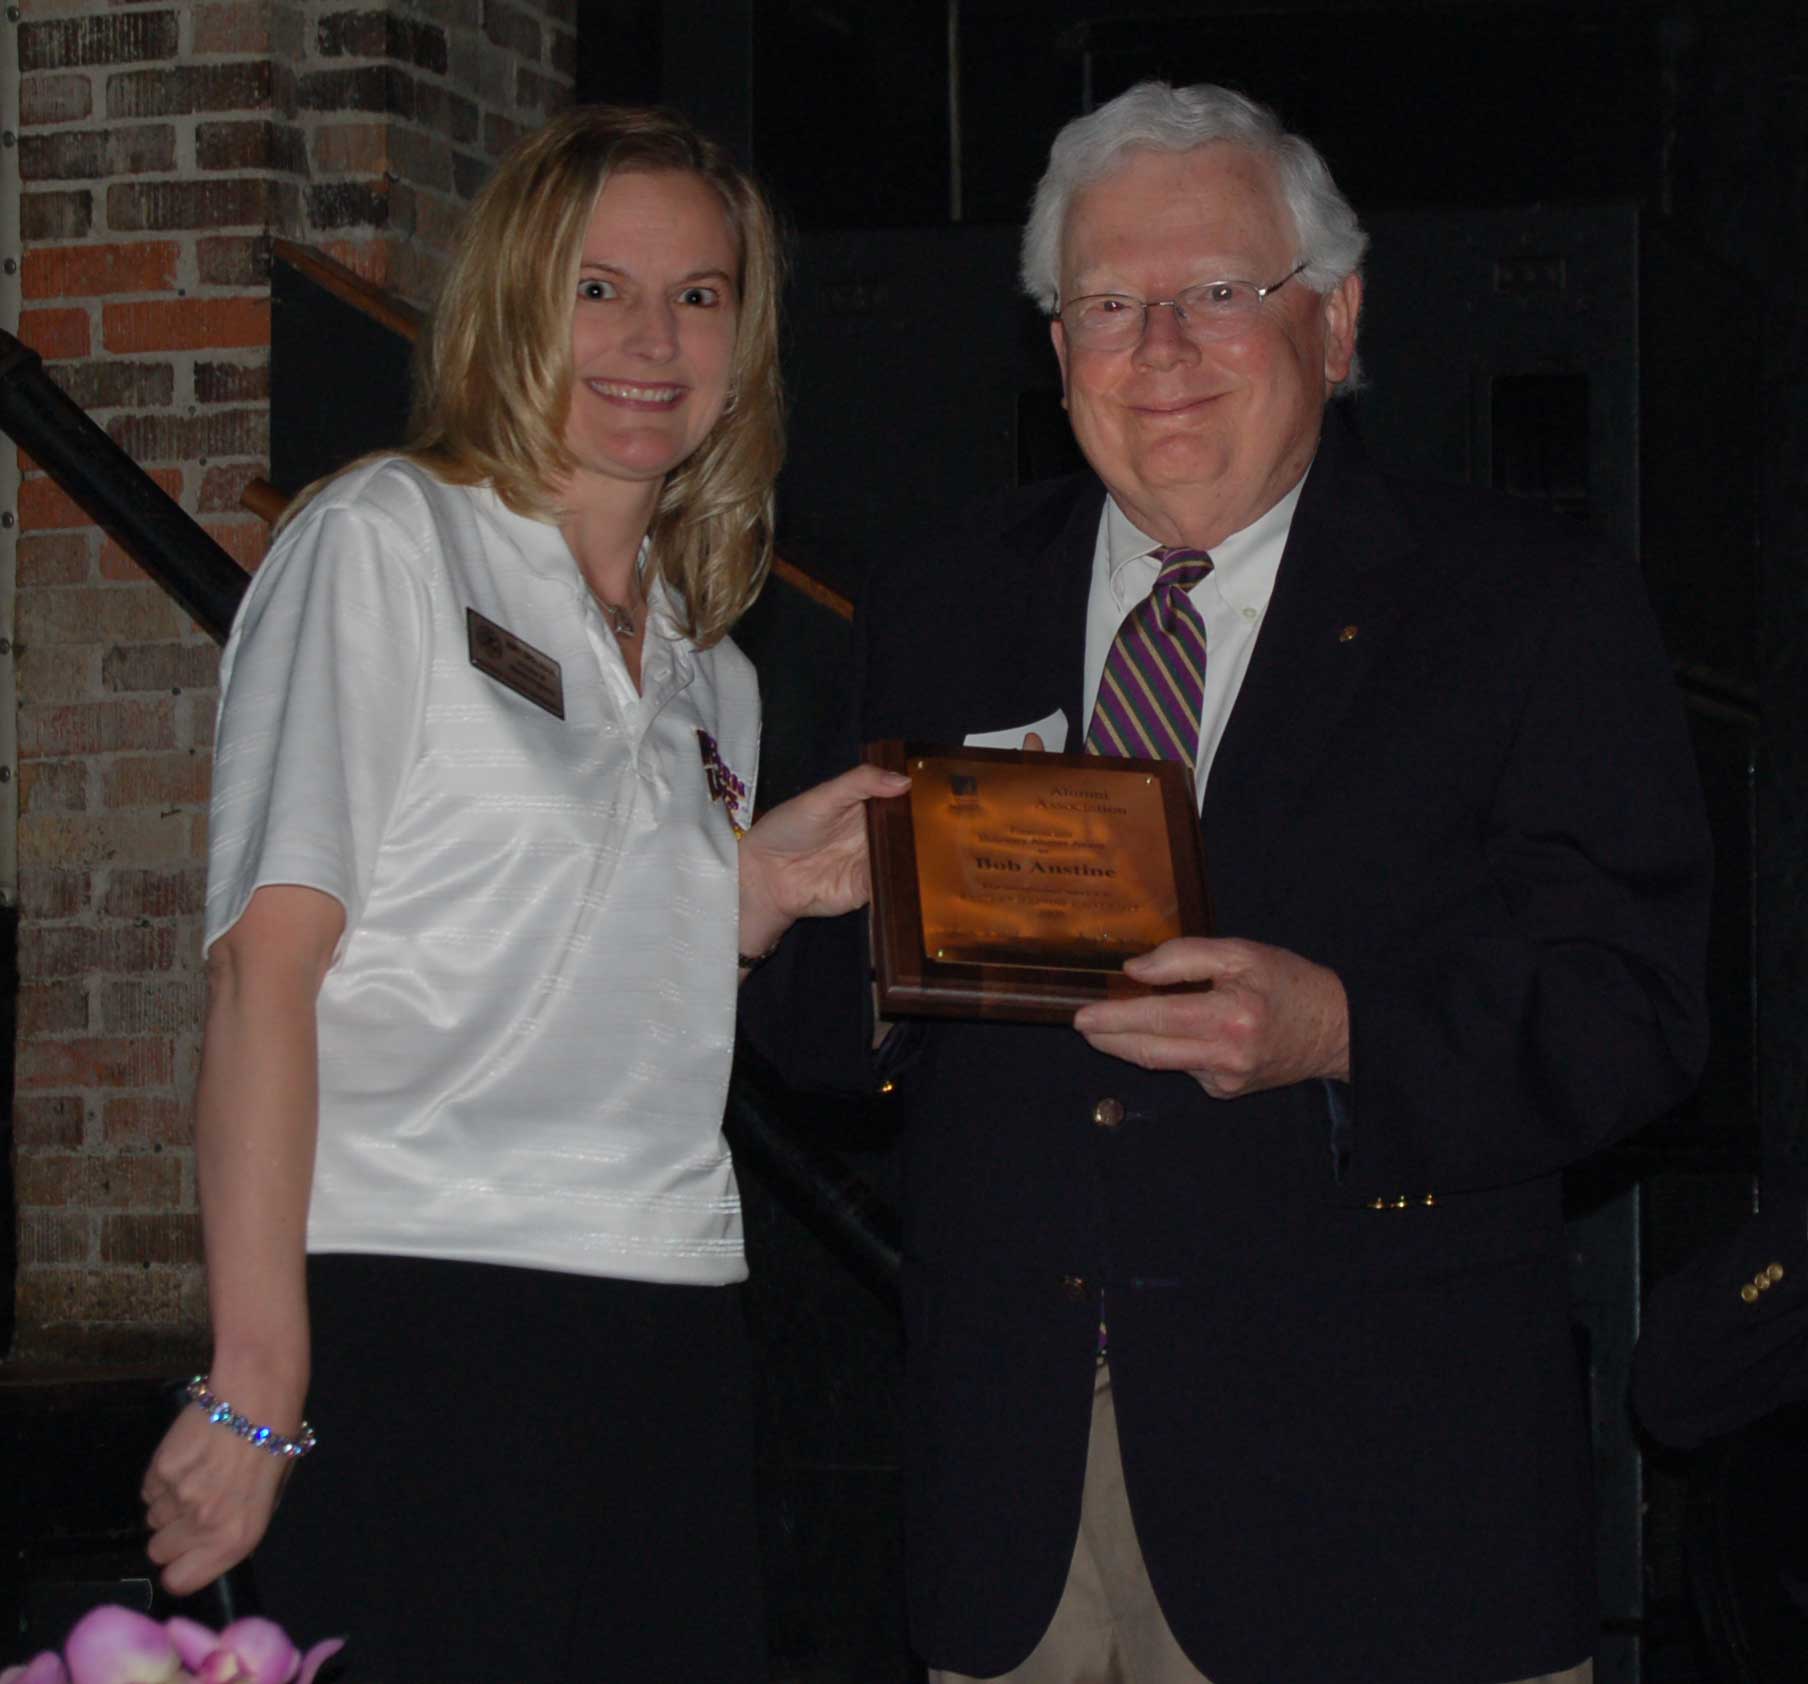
<point x="1239" y="1345"/>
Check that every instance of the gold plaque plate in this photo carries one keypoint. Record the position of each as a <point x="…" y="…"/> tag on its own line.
<point x="1014" y="885"/>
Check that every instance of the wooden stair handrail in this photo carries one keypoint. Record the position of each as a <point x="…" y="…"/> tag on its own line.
<point x="266" y="502"/>
<point x="347" y="285"/>
<point x="812" y="587"/>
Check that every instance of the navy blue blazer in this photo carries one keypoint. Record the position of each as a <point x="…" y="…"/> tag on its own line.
<point x="1348" y="1397"/>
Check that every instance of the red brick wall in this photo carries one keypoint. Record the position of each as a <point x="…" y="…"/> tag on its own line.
<point x="159" y="150"/>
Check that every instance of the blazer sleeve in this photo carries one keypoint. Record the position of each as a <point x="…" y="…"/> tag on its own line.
<point x="1725" y="1339"/>
<point x="1560" y="1004"/>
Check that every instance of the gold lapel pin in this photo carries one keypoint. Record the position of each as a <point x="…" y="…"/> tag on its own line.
<point x="1347" y="635"/>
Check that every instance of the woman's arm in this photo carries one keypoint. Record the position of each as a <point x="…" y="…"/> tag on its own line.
<point x="209" y="1494"/>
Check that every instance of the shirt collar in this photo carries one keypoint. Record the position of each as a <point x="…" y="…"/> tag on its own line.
<point x="544" y="552"/>
<point x="542" y="545"/>
<point x="1244" y="565"/>
<point x="538" y="541"/>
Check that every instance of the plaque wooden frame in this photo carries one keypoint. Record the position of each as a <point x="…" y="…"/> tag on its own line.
<point x="912" y="983"/>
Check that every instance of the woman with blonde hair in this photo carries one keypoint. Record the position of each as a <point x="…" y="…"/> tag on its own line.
<point x="483" y="876"/>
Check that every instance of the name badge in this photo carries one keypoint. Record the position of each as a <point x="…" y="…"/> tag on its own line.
<point x="504" y="657"/>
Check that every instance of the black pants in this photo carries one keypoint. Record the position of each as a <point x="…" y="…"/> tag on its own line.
<point x="522" y="1475"/>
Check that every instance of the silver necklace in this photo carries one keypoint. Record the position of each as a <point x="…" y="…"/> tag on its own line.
<point x="621" y="619"/>
<point x="619" y="616"/>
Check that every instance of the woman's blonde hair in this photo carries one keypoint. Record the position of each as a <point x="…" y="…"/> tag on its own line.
<point x="493" y="373"/>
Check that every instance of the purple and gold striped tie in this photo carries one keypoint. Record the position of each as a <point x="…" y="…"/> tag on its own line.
<point x="1153" y="688"/>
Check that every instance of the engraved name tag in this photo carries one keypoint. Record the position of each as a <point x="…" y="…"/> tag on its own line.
<point x="519" y="665"/>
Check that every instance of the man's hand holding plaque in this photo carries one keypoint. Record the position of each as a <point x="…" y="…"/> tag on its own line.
<point x="1015" y="885"/>
<point x="1238" y="1016"/>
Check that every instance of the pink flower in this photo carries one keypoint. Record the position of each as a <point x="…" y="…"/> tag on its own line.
<point x="40" y="1669"/>
<point x="248" y="1652"/>
<point x="117" y="1646"/>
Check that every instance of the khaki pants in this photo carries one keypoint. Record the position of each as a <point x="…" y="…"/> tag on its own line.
<point x="1108" y="1627"/>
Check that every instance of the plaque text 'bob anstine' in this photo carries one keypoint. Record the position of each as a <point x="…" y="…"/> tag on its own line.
<point x="1016" y="868"/>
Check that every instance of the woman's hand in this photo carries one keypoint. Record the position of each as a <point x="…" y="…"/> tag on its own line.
<point x="807" y="858"/>
<point x="209" y="1495"/>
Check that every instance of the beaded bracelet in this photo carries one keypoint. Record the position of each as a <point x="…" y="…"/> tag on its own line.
<point x="222" y="1414"/>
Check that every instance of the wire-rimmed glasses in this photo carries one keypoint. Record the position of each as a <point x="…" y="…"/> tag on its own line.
<point x="1112" y="321"/>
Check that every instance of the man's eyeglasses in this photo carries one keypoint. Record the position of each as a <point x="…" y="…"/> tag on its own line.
<point x="1113" y="321"/>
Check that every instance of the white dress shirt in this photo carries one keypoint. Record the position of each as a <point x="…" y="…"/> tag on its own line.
<point x="1231" y="599"/>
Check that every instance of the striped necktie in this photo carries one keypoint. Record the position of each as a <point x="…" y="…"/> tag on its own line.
<point x="1153" y="688"/>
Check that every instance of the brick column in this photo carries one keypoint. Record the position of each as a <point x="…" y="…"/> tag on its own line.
<point x="402" y="111"/>
<point x="159" y="149"/>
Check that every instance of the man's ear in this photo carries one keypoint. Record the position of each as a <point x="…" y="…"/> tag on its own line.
<point x="1058" y="335"/>
<point x="1342" y="307"/>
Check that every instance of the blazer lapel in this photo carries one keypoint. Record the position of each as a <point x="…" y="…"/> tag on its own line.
<point x="1326" y="623"/>
<point x="1053" y="554"/>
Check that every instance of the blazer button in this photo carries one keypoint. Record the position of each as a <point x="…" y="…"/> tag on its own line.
<point x="1749" y="1293"/>
<point x="1108" y="1113"/>
<point x="1774" y="1273"/>
<point x="1074" y="1287"/>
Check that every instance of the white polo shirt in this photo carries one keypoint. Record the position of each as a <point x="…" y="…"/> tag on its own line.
<point x="526" y="1032"/>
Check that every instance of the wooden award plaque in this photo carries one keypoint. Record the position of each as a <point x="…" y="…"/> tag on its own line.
<point x="1013" y="885"/>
